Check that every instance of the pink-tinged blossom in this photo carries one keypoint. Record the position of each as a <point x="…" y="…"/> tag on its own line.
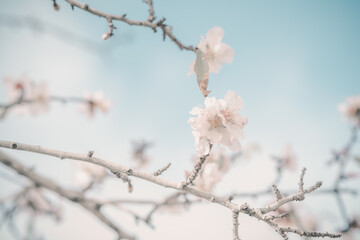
<point x="351" y="109"/>
<point x="297" y="218"/>
<point x="88" y="174"/>
<point x="32" y="97"/>
<point x="215" y="52"/>
<point x="215" y="167"/>
<point x="34" y="201"/>
<point x="288" y="158"/>
<point x="95" y="101"/>
<point x="218" y="122"/>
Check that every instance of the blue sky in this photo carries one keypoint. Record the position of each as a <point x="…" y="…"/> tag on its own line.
<point x="295" y="61"/>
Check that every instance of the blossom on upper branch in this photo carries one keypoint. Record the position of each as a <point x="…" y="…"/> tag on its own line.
<point x="215" y="52"/>
<point x="218" y="123"/>
<point x="95" y="101"/>
<point x="351" y="109"/>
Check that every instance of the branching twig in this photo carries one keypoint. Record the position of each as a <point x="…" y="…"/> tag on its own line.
<point x="167" y="31"/>
<point x="195" y="172"/>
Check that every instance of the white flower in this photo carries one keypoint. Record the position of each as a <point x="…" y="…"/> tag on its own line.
<point x="216" y="52"/>
<point x="95" y="101"/>
<point x="351" y="109"/>
<point x="32" y="97"/>
<point x="218" y="123"/>
<point x="89" y="174"/>
<point x="216" y="165"/>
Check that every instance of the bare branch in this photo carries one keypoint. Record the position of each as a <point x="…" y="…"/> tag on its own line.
<point x="277" y="192"/>
<point x="310" y="234"/>
<point x="167" y="31"/>
<point x="235" y="218"/>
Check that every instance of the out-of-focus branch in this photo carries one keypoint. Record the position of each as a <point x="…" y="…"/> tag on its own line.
<point x="258" y="213"/>
<point x="74" y="196"/>
<point x="44" y="27"/>
<point x="21" y="101"/>
<point x="149" y="23"/>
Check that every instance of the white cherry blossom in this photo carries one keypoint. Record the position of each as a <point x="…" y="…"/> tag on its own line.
<point x="218" y="123"/>
<point x="215" y="52"/>
<point x="95" y="101"/>
<point x="89" y="174"/>
<point x="351" y="109"/>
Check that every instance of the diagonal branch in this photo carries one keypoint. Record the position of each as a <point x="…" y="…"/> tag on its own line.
<point x="74" y="196"/>
<point x="149" y="23"/>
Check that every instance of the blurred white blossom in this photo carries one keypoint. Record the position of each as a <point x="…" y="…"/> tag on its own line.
<point x="215" y="52"/>
<point x="95" y="101"/>
<point x="216" y="165"/>
<point x="88" y="174"/>
<point x="351" y="109"/>
<point x="32" y="97"/>
<point x="140" y="159"/>
<point x="288" y="158"/>
<point x="218" y="123"/>
<point x="34" y="201"/>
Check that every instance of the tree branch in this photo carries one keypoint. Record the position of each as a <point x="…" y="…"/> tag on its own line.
<point x="167" y="31"/>
<point x="245" y="209"/>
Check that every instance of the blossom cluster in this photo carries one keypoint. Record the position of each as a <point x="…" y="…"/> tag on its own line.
<point x="218" y="122"/>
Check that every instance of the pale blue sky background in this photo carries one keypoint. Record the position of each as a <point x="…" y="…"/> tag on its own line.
<point x="295" y="62"/>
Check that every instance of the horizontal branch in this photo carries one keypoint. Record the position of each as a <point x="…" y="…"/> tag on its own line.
<point x="226" y="202"/>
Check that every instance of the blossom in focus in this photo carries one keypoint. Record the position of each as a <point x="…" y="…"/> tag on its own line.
<point x="218" y="122"/>
<point x="351" y="109"/>
<point x="94" y="101"/>
<point x="33" y="97"/>
<point x="215" y="52"/>
<point x="216" y="165"/>
<point x="88" y="174"/>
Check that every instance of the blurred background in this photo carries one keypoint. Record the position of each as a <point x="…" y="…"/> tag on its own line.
<point x="295" y="62"/>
